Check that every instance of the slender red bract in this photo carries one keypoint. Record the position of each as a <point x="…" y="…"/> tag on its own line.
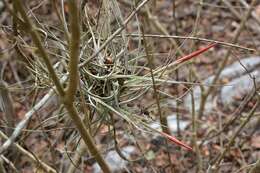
<point x="176" y="141"/>
<point x="178" y="61"/>
<point x="194" y="54"/>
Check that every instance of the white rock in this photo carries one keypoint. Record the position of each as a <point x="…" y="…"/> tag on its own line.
<point x="172" y="124"/>
<point x="238" y="87"/>
<point x="114" y="161"/>
<point x="231" y="72"/>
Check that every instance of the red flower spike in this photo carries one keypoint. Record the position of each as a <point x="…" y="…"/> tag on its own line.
<point x="176" y="141"/>
<point x="194" y="54"/>
<point x="178" y="61"/>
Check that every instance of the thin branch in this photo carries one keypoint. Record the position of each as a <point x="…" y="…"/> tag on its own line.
<point x="2" y="168"/>
<point x="163" y="119"/>
<point x="7" y="161"/>
<point x="74" y="50"/>
<point x="37" y="41"/>
<point x="162" y="30"/>
<point x="256" y="167"/>
<point x="68" y="102"/>
<point x="215" y="164"/>
<point x="6" y="105"/>
<point x="194" y="130"/>
<point x="193" y="38"/>
<point x="22" y="124"/>
<point x="32" y="157"/>
<point x="63" y="20"/>
<point x="73" y="81"/>
<point x="77" y="157"/>
<point x="226" y="58"/>
<point x="254" y="25"/>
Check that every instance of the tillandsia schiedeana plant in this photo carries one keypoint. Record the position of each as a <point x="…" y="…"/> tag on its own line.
<point x="96" y="74"/>
<point x="112" y="91"/>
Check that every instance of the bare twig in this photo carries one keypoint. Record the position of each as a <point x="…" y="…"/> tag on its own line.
<point x="22" y="124"/>
<point x="239" y="16"/>
<point x="36" y="39"/>
<point x="226" y="58"/>
<point x="194" y="130"/>
<point x="162" y="29"/>
<point x="77" y="157"/>
<point x="2" y="168"/>
<point x="256" y="167"/>
<point x="63" y="20"/>
<point x="163" y="119"/>
<point x="215" y="164"/>
<point x="74" y="45"/>
<point x="32" y="157"/>
<point x="194" y="38"/>
<point x="9" y="163"/>
<point x="68" y="100"/>
<point x="6" y="105"/>
<point x="255" y="16"/>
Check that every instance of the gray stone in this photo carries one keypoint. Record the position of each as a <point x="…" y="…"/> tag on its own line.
<point x="114" y="161"/>
<point x="239" y="82"/>
<point x="172" y="124"/>
<point x="238" y="87"/>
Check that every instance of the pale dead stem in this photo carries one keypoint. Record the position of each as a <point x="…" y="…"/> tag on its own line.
<point x="32" y="157"/>
<point x="256" y="167"/>
<point x="194" y="38"/>
<point x="207" y="92"/>
<point x="163" y="119"/>
<point x="6" y="105"/>
<point x="216" y="163"/>
<point x="19" y="127"/>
